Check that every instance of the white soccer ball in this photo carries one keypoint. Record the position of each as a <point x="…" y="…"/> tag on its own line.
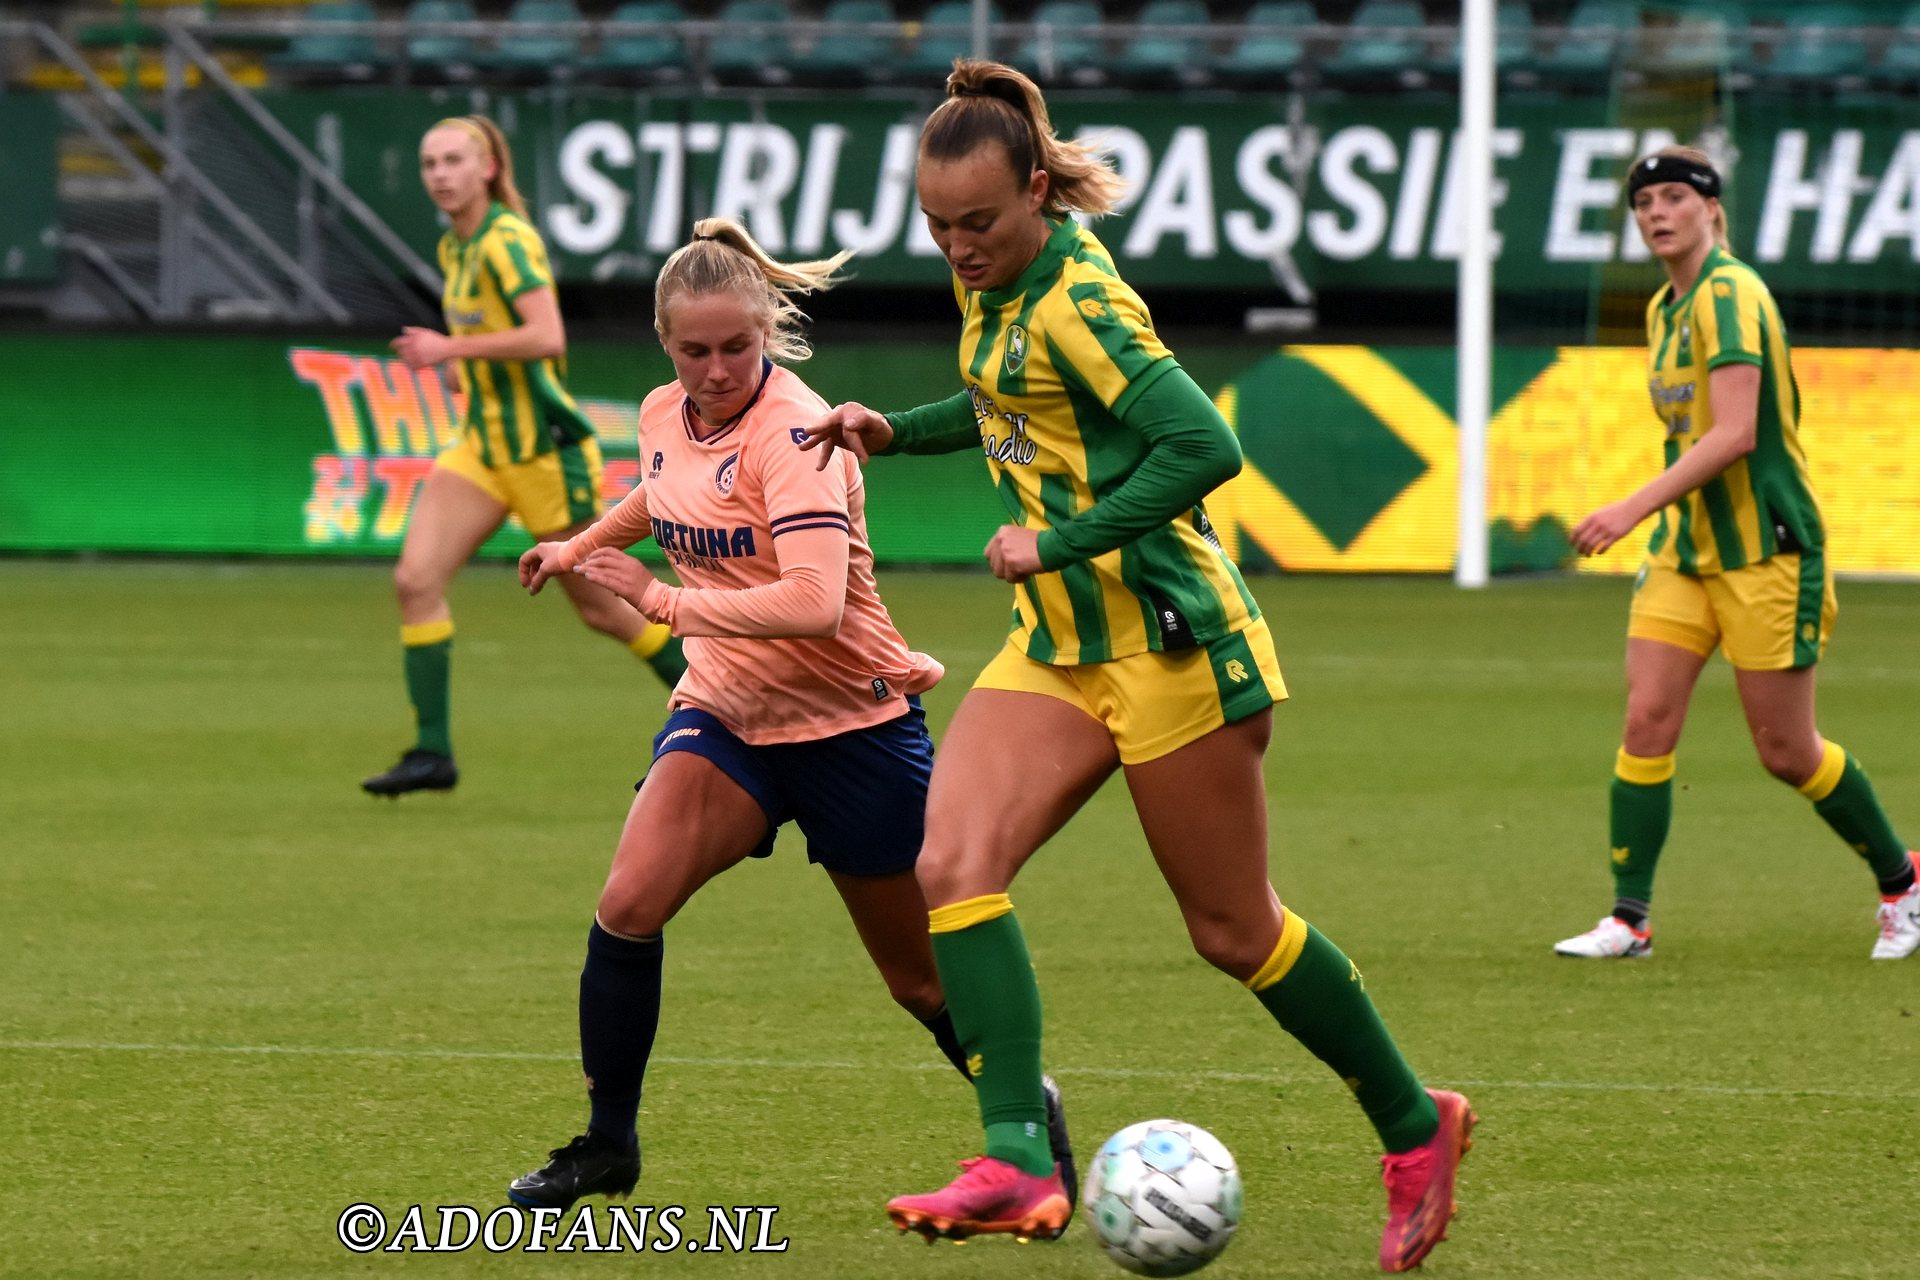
<point x="1163" y="1198"/>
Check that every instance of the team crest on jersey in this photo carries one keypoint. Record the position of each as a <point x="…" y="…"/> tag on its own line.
<point x="1016" y="347"/>
<point x="723" y="478"/>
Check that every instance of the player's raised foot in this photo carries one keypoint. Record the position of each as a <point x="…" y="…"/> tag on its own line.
<point x="1612" y="937"/>
<point x="1900" y="922"/>
<point x="418" y="770"/>
<point x="990" y="1197"/>
<point x="1059" y="1143"/>
<point x="1420" y="1186"/>
<point x="588" y="1166"/>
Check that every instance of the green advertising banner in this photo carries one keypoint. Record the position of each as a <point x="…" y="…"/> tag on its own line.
<point x="256" y="445"/>
<point x="29" y="216"/>
<point x="1354" y="193"/>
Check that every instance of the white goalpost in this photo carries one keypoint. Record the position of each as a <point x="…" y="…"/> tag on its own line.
<point x="1474" y="315"/>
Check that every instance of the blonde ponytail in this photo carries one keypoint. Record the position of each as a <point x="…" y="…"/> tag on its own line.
<point x="723" y="257"/>
<point x="493" y="143"/>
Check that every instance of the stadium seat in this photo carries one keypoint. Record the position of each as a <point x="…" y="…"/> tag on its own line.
<point x="946" y="33"/>
<point x="330" y="55"/>
<point x="1512" y="42"/>
<point x="537" y="51"/>
<point x="751" y="56"/>
<point x="449" y="55"/>
<point x="1820" y="44"/>
<point x="1708" y="38"/>
<point x="1060" y="52"/>
<point x="1160" y="57"/>
<point x="650" y="57"/>
<point x="849" y="57"/>
<point x="1900" y="67"/>
<point x="1384" y="47"/>
<point x="1598" y="32"/>
<point x="1272" y="53"/>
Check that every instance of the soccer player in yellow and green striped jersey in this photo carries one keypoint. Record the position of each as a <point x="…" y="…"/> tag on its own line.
<point x="1737" y="562"/>
<point x="1134" y="646"/>
<point x="525" y="448"/>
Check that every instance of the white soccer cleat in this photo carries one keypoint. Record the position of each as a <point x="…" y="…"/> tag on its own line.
<point x="1612" y="937"/>
<point x="1899" y="926"/>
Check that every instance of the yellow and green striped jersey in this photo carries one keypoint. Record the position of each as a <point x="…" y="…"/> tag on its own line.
<point x="516" y="409"/>
<point x="1051" y="363"/>
<point x="1764" y="503"/>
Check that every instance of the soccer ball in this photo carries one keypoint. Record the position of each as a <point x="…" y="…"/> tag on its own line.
<point x="1163" y="1197"/>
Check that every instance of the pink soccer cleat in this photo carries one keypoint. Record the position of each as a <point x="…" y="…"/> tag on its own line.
<point x="989" y="1197"/>
<point x="1420" y="1186"/>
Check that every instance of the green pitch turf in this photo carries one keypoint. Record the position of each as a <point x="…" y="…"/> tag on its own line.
<point x="240" y="995"/>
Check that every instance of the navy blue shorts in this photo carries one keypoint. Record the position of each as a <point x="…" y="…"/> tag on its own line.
<point x="859" y="797"/>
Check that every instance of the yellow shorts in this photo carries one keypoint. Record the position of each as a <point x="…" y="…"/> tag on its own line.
<point x="551" y="492"/>
<point x="1156" y="703"/>
<point x="1772" y="616"/>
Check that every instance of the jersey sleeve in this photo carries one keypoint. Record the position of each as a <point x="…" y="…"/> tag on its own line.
<point x="1727" y="322"/>
<point x="798" y="495"/>
<point x="1103" y="340"/>
<point x="517" y="259"/>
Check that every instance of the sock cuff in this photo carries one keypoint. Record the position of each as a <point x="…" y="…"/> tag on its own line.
<point x="651" y="641"/>
<point x="1643" y="771"/>
<point x="601" y="936"/>
<point x="1833" y="763"/>
<point x="1293" y="938"/>
<point x="956" y="916"/>
<point x="414" y="635"/>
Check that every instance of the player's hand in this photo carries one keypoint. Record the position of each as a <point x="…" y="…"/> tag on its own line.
<point x="1013" y="553"/>
<point x="1603" y="528"/>
<point x="422" y="348"/>
<point x="853" y="427"/>
<point x="540" y="563"/>
<point x="619" y="573"/>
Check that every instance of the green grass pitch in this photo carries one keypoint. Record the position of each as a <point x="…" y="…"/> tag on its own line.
<point x="241" y="996"/>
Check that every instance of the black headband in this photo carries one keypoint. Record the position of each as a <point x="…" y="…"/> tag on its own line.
<point x="1665" y="168"/>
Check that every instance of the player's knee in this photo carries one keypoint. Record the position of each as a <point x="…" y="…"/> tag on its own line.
<point x="413" y="586"/>
<point x="1790" y="762"/>
<point x="625" y="908"/>
<point x="1237" y="952"/>
<point x="1652" y="729"/>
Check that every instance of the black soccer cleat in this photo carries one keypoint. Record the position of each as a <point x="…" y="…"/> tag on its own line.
<point x="587" y="1166"/>
<point x="1060" y="1144"/>
<point x="417" y="771"/>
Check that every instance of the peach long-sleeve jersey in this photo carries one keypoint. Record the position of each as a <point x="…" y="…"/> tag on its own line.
<point x="788" y="640"/>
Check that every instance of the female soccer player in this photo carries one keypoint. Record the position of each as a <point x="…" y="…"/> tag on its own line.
<point x="1135" y="646"/>
<point x="800" y="700"/>
<point x="525" y="447"/>
<point x="1735" y="561"/>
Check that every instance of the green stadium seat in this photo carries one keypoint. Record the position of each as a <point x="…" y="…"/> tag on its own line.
<point x="1273" y="53"/>
<point x="535" y="50"/>
<point x="1900" y="66"/>
<point x="850" y="57"/>
<point x="1161" y="57"/>
<point x="1712" y="37"/>
<point x="660" y="56"/>
<point x="334" y="56"/>
<point x="1061" y="52"/>
<point x="450" y="55"/>
<point x="1375" y="54"/>
<point x="751" y="56"/>
<point x="1598" y="32"/>
<point x="1820" y="44"/>
<point x="1512" y="42"/>
<point x="946" y="33"/>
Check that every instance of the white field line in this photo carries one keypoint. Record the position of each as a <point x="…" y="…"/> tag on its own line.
<point x="797" y="1064"/>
